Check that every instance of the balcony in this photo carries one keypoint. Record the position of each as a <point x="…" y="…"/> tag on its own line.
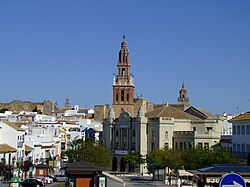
<point x="19" y="144"/>
<point x="116" y="81"/>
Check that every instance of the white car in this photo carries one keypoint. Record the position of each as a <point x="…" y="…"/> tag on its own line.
<point x="60" y="178"/>
<point x="46" y="180"/>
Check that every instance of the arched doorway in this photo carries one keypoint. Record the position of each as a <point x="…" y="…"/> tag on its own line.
<point x="114" y="164"/>
<point x="122" y="164"/>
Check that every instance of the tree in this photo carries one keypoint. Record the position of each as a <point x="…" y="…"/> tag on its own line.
<point x="133" y="159"/>
<point x="3" y="110"/>
<point x="88" y="150"/>
<point x="223" y="156"/>
<point x="166" y="158"/>
<point x="190" y="158"/>
<point x="197" y="158"/>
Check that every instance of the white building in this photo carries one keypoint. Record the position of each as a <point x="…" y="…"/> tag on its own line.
<point x="240" y="137"/>
<point x="162" y="127"/>
<point x="13" y="136"/>
<point x="226" y="137"/>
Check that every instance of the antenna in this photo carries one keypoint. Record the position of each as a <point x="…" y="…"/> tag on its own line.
<point x="238" y="109"/>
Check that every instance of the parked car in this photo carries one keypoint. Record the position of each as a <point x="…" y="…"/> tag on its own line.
<point x="60" y="178"/>
<point x="32" y="182"/>
<point x="47" y="180"/>
<point x="52" y="177"/>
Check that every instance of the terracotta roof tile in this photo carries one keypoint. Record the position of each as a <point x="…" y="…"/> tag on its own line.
<point x="61" y="110"/>
<point x="5" y="148"/>
<point x="169" y="111"/>
<point x="13" y="125"/>
<point x="241" y="117"/>
<point x="28" y="148"/>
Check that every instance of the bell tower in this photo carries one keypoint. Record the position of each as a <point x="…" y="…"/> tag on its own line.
<point x="67" y="105"/>
<point x="123" y="83"/>
<point x="183" y="98"/>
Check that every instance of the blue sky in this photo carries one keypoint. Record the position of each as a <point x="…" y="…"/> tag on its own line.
<point x="49" y="49"/>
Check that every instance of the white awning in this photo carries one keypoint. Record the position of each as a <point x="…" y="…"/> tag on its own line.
<point x="185" y="173"/>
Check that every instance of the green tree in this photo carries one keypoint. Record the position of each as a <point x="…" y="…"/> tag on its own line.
<point x="88" y="150"/>
<point x="223" y="156"/>
<point x="134" y="159"/>
<point x="197" y="158"/>
<point x="166" y="158"/>
<point x="201" y="158"/>
<point x="3" y="110"/>
<point x="190" y="158"/>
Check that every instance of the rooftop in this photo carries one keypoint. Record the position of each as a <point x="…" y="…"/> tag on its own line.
<point x="241" y="117"/>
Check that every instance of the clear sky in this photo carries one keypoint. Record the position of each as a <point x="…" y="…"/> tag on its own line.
<point x="52" y="48"/>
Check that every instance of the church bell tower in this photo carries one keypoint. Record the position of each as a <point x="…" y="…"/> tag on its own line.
<point x="183" y="98"/>
<point x="123" y="83"/>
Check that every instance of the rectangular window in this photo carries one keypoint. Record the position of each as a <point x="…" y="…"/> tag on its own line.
<point x="238" y="148"/>
<point x="209" y="128"/>
<point x="238" y="130"/>
<point x="234" y="130"/>
<point x="247" y="129"/>
<point x="133" y="145"/>
<point x="40" y="171"/>
<point x="185" y="145"/>
<point x="133" y="133"/>
<point x="125" y="133"/>
<point x="243" y="129"/>
<point x="117" y="133"/>
<point x="116" y="145"/>
<point x="206" y="145"/>
<point x="234" y="147"/>
<point x="181" y="145"/>
<point x="243" y="148"/>
<point x="189" y="144"/>
<point x="125" y="145"/>
<point x="166" y="145"/>
<point x="153" y="145"/>
<point x="247" y="148"/>
<point x="199" y="145"/>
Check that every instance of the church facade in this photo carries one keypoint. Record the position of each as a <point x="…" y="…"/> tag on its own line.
<point x="134" y="125"/>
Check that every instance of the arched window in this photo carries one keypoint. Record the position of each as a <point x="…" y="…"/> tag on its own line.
<point x="122" y="95"/>
<point x="116" y="97"/>
<point x="117" y="132"/>
<point x="124" y="59"/>
<point x="123" y="72"/>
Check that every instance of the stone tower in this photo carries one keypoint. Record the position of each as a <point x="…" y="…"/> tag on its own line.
<point x="123" y="83"/>
<point x="183" y="98"/>
<point x="67" y="105"/>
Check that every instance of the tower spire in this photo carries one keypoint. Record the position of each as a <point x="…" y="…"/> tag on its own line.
<point x="183" y="98"/>
<point x="67" y="105"/>
<point x="123" y="84"/>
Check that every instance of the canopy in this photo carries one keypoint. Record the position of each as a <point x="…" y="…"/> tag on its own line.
<point x="185" y="173"/>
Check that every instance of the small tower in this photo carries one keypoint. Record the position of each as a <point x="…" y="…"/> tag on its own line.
<point x="123" y="83"/>
<point x="183" y="96"/>
<point x="67" y="105"/>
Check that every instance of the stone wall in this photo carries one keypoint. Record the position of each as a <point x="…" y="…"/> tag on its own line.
<point x="46" y="107"/>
